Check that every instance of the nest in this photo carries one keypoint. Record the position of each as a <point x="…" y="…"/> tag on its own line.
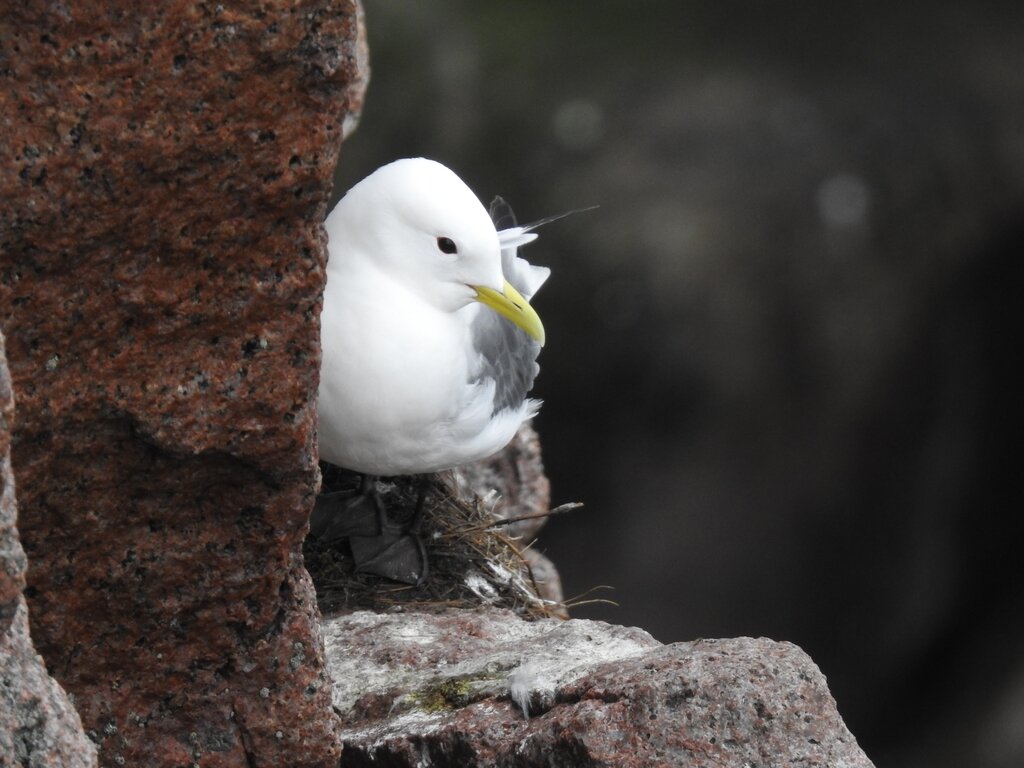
<point x="472" y="560"/>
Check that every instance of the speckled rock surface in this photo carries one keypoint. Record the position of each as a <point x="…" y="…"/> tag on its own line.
<point x="38" y="725"/>
<point x="165" y="172"/>
<point x="12" y="557"/>
<point x="446" y="690"/>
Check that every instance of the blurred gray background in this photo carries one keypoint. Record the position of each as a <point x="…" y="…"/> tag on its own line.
<point x="781" y="360"/>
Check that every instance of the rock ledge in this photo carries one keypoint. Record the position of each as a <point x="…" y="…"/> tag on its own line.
<point x="445" y="689"/>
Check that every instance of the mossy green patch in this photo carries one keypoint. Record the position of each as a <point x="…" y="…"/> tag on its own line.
<point x="456" y="692"/>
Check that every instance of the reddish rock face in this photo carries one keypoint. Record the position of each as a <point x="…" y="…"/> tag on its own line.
<point x="161" y="263"/>
<point x="38" y="725"/>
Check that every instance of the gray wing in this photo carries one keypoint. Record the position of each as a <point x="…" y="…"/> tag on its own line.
<point x="509" y="358"/>
<point x="509" y="354"/>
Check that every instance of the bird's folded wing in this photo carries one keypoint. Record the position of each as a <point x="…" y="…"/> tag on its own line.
<point x="509" y="356"/>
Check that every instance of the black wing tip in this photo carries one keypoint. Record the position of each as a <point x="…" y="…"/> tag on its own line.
<point x="502" y="214"/>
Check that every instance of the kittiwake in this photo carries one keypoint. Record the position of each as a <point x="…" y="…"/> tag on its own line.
<point x="429" y="343"/>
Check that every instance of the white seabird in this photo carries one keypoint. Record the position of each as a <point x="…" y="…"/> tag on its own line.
<point x="428" y="339"/>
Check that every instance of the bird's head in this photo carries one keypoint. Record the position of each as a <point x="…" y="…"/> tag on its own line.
<point x="419" y="222"/>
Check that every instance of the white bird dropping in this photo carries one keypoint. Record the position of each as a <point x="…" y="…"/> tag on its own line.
<point x="429" y="342"/>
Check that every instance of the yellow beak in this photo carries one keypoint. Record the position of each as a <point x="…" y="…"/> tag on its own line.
<point x="510" y="304"/>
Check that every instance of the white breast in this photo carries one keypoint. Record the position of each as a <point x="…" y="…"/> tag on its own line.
<point x="403" y="403"/>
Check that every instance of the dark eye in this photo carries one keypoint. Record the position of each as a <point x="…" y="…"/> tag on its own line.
<point x="447" y="245"/>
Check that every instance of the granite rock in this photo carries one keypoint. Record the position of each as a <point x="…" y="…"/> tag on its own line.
<point x="547" y="580"/>
<point x="12" y="557"/>
<point x="448" y="689"/>
<point x="38" y="725"/>
<point x="165" y="176"/>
